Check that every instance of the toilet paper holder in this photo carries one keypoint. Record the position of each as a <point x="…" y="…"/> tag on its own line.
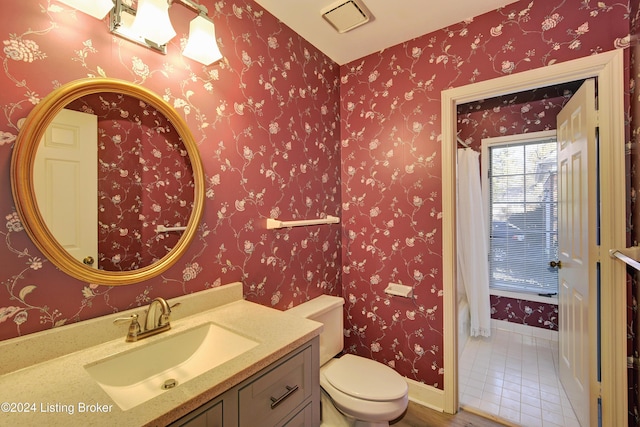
<point x="400" y="290"/>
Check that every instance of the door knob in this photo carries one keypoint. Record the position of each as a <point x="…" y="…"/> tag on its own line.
<point x="554" y="264"/>
<point x="88" y="260"/>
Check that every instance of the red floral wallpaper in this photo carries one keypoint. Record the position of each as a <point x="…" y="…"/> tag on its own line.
<point x="391" y="186"/>
<point x="266" y="121"/>
<point x="511" y="115"/>
<point x="523" y="312"/>
<point x="284" y="132"/>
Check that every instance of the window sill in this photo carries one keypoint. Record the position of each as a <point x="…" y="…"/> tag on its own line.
<point x="525" y="296"/>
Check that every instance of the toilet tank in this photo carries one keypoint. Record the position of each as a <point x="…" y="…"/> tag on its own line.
<point x="327" y="310"/>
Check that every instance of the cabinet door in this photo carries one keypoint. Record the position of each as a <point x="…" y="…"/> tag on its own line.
<point x="207" y="416"/>
<point x="302" y="418"/>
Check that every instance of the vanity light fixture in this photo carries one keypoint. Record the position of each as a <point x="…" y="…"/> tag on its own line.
<point x="152" y="21"/>
<point x="149" y="25"/>
<point x="202" y="46"/>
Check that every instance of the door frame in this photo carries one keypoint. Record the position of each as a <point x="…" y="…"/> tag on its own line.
<point x="608" y="68"/>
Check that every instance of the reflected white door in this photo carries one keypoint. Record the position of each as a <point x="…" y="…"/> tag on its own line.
<point x="65" y="182"/>
<point x="576" y="240"/>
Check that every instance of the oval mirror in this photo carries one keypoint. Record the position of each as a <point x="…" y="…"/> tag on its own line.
<point x="108" y="181"/>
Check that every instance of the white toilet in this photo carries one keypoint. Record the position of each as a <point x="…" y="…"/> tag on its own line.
<point x="367" y="393"/>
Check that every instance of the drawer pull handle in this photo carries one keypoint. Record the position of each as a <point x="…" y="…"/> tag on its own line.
<point x="275" y="401"/>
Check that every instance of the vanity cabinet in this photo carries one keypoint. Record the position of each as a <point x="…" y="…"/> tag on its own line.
<point x="208" y="415"/>
<point x="286" y="393"/>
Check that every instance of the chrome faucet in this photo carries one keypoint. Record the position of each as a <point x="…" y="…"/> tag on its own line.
<point x="154" y="323"/>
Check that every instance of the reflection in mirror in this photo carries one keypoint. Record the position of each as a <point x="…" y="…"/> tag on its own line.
<point x="144" y="179"/>
<point x="145" y="172"/>
<point x="64" y="180"/>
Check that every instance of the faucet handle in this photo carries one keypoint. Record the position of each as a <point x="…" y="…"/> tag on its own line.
<point x="134" y="326"/>
<point x="133" y="318"/>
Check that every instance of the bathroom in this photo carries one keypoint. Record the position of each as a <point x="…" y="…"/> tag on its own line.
<point x="517" y="330"/>
<point x="285" y="132"/>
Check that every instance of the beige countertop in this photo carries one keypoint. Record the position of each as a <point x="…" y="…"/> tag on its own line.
<point x="57" y="390"/>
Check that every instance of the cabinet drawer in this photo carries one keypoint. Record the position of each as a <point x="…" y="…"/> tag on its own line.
<point x="272" y="396"/>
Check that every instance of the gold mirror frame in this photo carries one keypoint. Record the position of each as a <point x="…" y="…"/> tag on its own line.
<point x="22" y="186"/>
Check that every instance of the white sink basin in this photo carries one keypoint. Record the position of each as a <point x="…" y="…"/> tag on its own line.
<point x="135" y="376"/>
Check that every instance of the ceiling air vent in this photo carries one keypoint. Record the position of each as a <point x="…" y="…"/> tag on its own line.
<point x="346" y="15"/>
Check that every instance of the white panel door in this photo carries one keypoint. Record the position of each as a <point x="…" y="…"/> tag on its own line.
<point x="576" y="238"/>
<point x="66" y="182"/>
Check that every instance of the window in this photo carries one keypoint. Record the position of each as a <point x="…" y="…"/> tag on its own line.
<point x="520" y="187"/>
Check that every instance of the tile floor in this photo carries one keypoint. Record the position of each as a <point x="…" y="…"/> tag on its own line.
<point x="514" y="376"/>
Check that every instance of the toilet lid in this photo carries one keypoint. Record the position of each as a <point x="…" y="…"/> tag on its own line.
<point x="365" y="379"/>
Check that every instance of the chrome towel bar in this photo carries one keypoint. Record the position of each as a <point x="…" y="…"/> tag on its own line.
<point x="629" y="256"/>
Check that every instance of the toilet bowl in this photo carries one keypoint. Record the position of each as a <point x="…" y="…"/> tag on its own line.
<point x="364" y="389"/>
<point x="367" y="393"/>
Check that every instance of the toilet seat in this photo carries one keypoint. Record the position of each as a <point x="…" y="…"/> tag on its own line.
<point x="342" y="372"/>
<point x="365" y="379"/>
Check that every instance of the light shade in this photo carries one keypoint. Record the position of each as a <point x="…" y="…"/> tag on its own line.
<point x="202" y="45"/>
<point x="96" y="8"/>
<point x="152" y="21"/>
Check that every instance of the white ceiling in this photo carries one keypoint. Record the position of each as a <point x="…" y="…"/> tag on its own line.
<point x="393" y="22"/>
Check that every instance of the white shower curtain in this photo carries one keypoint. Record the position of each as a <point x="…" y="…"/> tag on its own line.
<point x="472" y="242"/>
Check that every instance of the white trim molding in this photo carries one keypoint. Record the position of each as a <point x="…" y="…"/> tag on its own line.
<point x="608" y="68"/>
<point x="426" y="395"/>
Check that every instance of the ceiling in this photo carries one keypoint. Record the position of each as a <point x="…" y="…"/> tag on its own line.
<point x="392" y="22"/>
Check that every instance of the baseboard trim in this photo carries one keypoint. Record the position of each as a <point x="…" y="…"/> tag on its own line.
<point x="426" y="395"/>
